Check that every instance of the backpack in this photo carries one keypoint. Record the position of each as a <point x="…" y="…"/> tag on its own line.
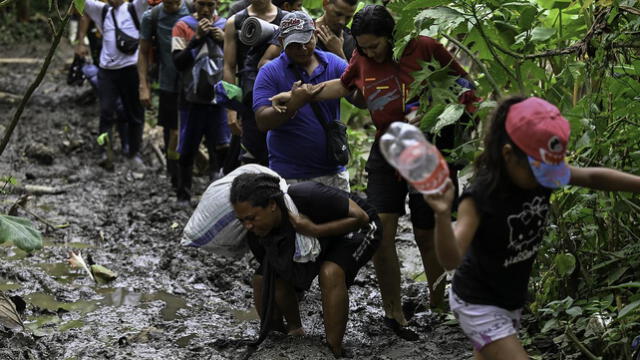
<point x="125" y="43"/>
<point x="199" y="81"/>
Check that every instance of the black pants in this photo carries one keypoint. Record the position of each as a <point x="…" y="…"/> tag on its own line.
<point x="121" y="83"/>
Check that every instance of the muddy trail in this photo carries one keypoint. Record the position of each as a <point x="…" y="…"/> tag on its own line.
<point x="168" y="302"/>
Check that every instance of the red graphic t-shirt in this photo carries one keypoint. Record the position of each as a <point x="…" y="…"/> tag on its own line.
<point x="385" y="86"/>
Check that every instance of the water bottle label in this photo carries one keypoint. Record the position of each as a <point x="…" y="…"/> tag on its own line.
<point x="435" y="181"/>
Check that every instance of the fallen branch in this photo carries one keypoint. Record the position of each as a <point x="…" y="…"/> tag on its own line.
<point x="159" y="154"/>
<point x="479" y="63"/>
<point x="20" y="61"/>
<point x="586" y="352"/>
<point x="6" y="3"/>
<point x="39" y="189"/>
<point x="43" y="220"/>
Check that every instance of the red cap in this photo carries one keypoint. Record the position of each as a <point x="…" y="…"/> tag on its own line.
<point x="537" y="127"/>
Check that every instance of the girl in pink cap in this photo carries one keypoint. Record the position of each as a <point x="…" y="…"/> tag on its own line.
<point x="502" y="218"/>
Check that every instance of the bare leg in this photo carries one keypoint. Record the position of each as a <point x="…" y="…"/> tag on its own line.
<point x="335" y="304"/>
<point x="288" y="305"/>
<point x="387" y="266"/>
<point x="508" y="348"/>
<point x="432" y="268"/>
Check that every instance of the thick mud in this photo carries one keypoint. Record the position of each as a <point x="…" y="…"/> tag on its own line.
<point x="168" y="302"/>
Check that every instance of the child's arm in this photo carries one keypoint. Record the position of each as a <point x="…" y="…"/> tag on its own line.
<point x="604" y="179"/>
<point x="452" y="244"/>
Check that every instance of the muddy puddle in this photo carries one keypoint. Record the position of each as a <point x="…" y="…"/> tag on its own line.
<point x="167" y="302"/>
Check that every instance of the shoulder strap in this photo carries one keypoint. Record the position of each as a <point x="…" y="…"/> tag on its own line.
<point x="105" y="9"/>
<point x="314" y="105"/>
<point x="155" y="15"/>
<point x="240" y="17"/>
<point x="134" y="15"/>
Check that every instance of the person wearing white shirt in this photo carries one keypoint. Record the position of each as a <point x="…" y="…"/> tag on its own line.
<point x="118" y="76"/>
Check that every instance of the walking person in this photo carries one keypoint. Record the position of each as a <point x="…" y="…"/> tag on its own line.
<point x="197" y="43"/>
<point x="241" y="68"/>
<point x="502" y="218"/>
<point x="347" y="228"/>
<point x="155" y="33"/>
<point x="118" y="76"/>
<point x="385" y="85"/>
<point x="298" y="145"/>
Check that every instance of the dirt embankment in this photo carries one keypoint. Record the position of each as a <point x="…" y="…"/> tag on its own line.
<point x="168" y="302"/>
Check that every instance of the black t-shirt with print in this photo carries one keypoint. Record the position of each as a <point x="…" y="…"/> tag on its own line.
<point x="496" y="268"/>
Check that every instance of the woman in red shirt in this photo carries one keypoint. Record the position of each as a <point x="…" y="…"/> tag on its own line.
<point x="384" y="84"/>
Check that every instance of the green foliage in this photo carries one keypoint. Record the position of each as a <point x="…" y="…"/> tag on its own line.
<point x="582" y="56"/>
<point x="79" y="5"/>
<point x="21" y="232"/>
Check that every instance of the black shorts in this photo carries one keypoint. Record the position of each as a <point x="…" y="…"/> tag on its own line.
<point x="351" y="252"/>
<point x="168" y="109"/>
<point x="387" y="191"/>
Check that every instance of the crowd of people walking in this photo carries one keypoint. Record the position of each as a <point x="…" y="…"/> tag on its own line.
<point x="271" y="103"/>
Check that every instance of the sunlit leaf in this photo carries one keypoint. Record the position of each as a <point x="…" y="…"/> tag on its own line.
<point x="79" y="5"/>
<point x="565" y="263"/>
<point x="449" y="116"/>
<point x="541" y="34"/>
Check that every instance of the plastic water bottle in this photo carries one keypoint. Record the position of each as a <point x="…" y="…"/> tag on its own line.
<point x="418" y="161"/>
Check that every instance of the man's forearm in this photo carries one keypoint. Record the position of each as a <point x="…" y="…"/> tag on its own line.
<point x="143" y="60"/>
<point x="83" y="27"/>
<point x="267" y="118"/>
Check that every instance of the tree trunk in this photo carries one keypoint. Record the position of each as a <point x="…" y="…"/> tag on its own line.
<point x="23" y="8"/>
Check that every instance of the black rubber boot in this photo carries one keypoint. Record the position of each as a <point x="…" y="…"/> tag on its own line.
<point x="184" y="182"/>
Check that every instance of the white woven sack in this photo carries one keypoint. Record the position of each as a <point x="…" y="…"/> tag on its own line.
<point x="213" y="225"/>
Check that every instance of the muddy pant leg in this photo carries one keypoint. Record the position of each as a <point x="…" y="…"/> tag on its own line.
<point x="191" y="135"/>
<point x="122" y="126"/>
<point x="254" y="140"/>
<point x="168" y="119"/>
<point x="217" y="136"/>
<point x="128" y="88"/>
<point x="108" y="95"/>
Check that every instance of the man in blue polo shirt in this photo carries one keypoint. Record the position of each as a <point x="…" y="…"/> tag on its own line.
<point x="297" y="141"/>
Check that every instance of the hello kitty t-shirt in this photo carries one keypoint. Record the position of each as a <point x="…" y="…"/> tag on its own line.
<point x="496" y="268"/>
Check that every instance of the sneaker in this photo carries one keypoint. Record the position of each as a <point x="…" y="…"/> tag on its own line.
<point x="402" y="331"/>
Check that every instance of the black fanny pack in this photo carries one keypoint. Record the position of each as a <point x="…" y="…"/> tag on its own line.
<point x="125" y="43"/>
<point x="336" y="132"/>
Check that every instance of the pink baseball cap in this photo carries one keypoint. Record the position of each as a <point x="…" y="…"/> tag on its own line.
<point x="537" y="127"/>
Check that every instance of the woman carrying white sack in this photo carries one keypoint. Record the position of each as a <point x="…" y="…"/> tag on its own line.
<point x="348" y="231"/>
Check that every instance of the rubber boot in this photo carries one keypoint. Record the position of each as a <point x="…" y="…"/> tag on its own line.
<point x="123" y="132"/>
<point x="185" y="176"/>
<point x="172" y="170"/>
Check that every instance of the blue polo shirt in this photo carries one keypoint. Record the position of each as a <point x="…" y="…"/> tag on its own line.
<point x="298" y="148"/>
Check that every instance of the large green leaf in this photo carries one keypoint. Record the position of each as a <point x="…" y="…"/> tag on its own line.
<point x="541" y="34"/>
<point x="449" y="116"/>
<point x="565" y="263"/>
<point x="554" y="4"/>
<point x="21" y="232"/>
<point x="628" y="309"/>
<point x="79" y="5"/>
